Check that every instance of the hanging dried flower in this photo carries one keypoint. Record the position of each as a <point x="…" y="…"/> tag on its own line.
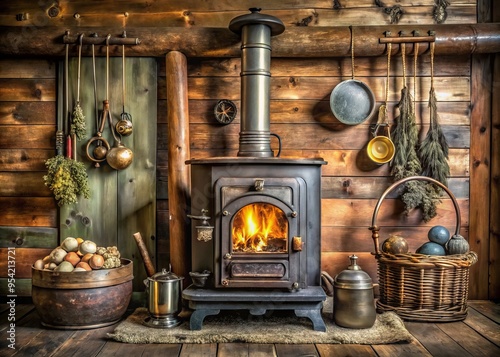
<point x="67" y="179"/>
<point x="433" y="151"/>
<point x="406" y="162"/>
<point x="78" y="126"/>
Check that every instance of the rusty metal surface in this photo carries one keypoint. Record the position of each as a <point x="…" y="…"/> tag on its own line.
<point x="81" y="308"/>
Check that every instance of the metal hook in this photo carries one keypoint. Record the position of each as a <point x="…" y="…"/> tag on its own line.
<point x="107" y="39"/>
<point x="80" y="39"/>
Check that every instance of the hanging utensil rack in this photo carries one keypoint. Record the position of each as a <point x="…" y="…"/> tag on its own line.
<point x="94" y="39"/>
<point x="402" y="38"/>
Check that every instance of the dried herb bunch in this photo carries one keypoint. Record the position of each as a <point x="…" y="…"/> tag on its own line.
<point x="406" y="162"/>
<point x="67" y="179"/>
<point x="433" y="150"/>
<point x="78" y="126"/>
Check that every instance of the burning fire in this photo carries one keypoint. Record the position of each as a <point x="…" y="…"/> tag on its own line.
<point x="260" y="227"/>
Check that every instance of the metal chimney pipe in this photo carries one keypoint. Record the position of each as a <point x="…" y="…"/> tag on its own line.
<point x="256" y="30"/>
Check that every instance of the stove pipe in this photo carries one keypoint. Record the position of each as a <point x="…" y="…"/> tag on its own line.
<point x="256" y="30"/>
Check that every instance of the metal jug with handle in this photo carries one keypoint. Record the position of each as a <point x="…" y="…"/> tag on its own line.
<point x="164" y="299"/>
<point x="353" y="298"/>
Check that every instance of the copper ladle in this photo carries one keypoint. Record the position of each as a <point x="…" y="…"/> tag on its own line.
<point x="102" y="148"/>
<point x="119" y="157"/>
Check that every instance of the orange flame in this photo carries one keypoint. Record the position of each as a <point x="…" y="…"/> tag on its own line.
<point x="260" y="227"/>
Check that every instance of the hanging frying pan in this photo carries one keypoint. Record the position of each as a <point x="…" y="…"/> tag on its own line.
<point x="352" y="101"/>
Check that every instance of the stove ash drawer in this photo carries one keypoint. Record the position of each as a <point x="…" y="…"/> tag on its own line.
<point x="263" y="270"/>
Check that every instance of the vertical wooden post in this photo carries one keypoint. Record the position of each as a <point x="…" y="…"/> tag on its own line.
<point x="494" y="278"/>
<point x="178" y="153"/>
<point x="494" y="289"/>
<point x="480" y="159"/>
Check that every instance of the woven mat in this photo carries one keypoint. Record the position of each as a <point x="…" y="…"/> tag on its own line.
<point x="272" y="327"/>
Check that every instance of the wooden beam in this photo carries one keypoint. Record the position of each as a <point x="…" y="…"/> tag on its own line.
<point x="221" y="42"/>
<point x="178" y="153"/>
<point x="480" y="160"/>
<point x="494" y="289"/>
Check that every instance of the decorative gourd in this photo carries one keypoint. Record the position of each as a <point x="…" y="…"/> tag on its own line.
<point x="439" y="234"/>
<point x="431" y="248"/>
<point x="395" y="245"/>
<point x="457" y="245"/>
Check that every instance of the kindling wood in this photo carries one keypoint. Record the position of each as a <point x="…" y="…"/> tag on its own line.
<point x="297" y="41"/>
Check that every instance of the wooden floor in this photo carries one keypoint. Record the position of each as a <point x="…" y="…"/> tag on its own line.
<point x="477" y="335"/>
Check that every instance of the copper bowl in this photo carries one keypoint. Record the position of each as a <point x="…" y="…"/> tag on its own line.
<point x="82" y="300"/>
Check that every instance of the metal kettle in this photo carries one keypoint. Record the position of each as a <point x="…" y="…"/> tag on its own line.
<point x="353" y="298"/>
<point x="164" y="299"/>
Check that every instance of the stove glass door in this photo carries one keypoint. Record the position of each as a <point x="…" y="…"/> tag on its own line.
<point x="260" y="228"/>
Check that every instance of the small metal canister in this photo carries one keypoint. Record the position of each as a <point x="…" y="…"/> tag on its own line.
<point x="353" y="302"/>
<point x="164" y="299"/>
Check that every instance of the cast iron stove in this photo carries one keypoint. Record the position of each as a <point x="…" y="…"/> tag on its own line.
<point x="263" y="213"/>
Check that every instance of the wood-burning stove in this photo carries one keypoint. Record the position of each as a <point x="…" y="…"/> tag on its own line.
<point x="264" y="252"/>
<point x="245" y="198"/>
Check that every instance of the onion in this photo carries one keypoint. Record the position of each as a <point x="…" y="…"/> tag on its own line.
<point x="65" y="267"/>
<point x="57" y="255"/>
<point x="84" y="266"/>
<point x="39" y="264"/>
<point x="88" y="247"/>
<point x="70" y="244"/>
<point x="73" y="258"/>
<point x="96" y="262"/>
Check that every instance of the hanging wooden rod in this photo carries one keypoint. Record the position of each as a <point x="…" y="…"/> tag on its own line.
<point x="296" y="41"/>
<point x="94" y="39"/>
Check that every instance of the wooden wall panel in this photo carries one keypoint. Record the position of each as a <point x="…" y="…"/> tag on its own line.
<point x="299" y="112"/>
<point x="192" y="13"/>
<point x="28" y="218"/>
<point x="24" y="257"/>
<point x="25" y="159"/>
<point x="301" y="115"/>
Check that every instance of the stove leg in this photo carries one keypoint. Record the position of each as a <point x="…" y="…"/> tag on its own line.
<point x="315" y="317"/>
<point x="197" y="317"/>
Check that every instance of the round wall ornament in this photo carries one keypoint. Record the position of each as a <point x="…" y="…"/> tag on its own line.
<point x="225" y="111"/>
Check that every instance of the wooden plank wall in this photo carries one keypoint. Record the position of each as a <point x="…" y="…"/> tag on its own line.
<point x="300" y="113"/>
<point x="27" y="127"/>
<point x="309" y="129"/>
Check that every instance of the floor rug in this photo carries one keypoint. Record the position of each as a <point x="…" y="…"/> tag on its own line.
<point x="272" y="327"/>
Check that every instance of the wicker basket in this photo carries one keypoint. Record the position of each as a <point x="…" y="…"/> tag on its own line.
<point x="422" y="287"/>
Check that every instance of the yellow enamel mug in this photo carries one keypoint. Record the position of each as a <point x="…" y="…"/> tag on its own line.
<point x="380" y="149"/>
